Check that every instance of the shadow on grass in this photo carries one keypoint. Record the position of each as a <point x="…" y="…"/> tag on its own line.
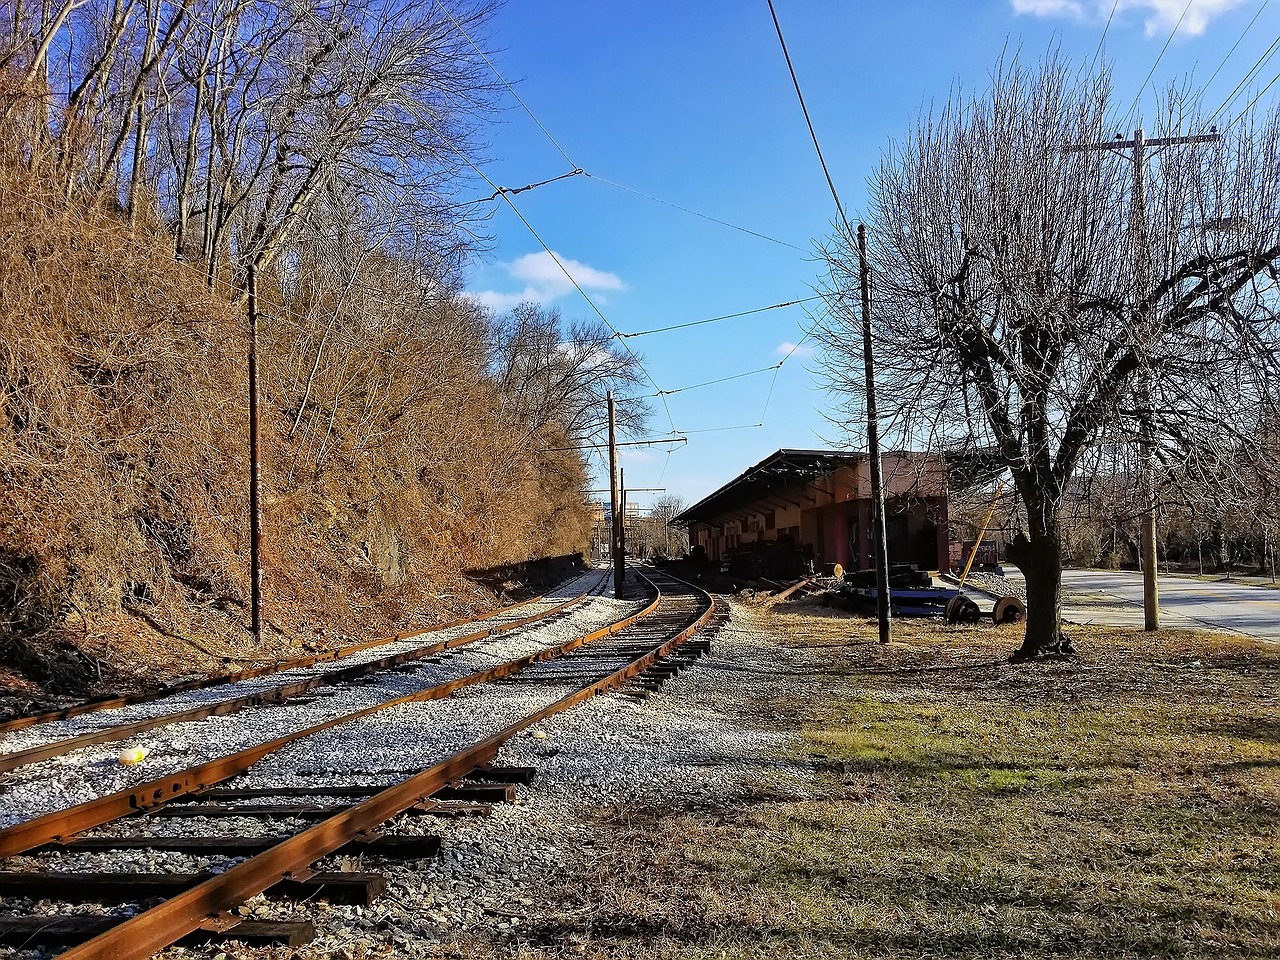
<point x="692" y="936"/>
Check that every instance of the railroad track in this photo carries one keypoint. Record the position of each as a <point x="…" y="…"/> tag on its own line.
<point x="418" y="653"/>
<point x="362" y="780"/>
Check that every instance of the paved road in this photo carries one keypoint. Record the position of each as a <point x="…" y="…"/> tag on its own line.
<point x="1115" y="598"/>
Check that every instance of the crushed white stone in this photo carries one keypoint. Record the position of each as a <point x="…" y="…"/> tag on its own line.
<point x="686" y="745"/>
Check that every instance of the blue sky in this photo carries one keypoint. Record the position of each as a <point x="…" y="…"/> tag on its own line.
<point x="689" y="103"/>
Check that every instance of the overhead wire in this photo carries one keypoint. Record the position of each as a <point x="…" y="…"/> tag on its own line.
<point x="741" y="426"/>
<point x="712" y="383"/>
<point x="1258" y="65"/>
<point x="507" y="193"/>
<point x="727" y="316"/>
<point x="1103" y="39"/>
<point x="695" y="213"/>
<point x="1241" y="115"/>
<point x="501" y="191"/>
<point x="774" y="381"/>
<point x="1174" y="32"/>
<point x="578" y="170"/>
<point x="498" y="73"/>
<point x="1240" y="39"/>
<point x="565" y="270"/>
<point x="661" y="394"/>
<point x="813" y="134"/>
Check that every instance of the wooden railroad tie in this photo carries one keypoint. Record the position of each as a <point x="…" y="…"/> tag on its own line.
<point x="360" y="889"/>
<point x="54" y="931"/>
<point x="383" y="845"/>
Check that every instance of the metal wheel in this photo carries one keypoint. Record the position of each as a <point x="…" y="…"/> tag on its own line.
<point x="961" y="609"/>
<point x="1009" y="610"/>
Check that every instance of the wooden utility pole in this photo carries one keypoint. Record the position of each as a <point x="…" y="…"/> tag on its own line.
<point x="255" y="473"/>
<point x="615" y="531"/>
<point x="878" y="543"/>
<point x="1137" y="149"/>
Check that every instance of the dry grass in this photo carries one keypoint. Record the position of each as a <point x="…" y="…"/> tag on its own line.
<point x="1122" y="804"/>
<point x="123" y="464"/>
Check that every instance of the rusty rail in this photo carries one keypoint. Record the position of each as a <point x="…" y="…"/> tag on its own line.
<point x="277" y="694"/>
<point x="133" y="699"/>
<point x="94" y="813"/>
<point x="153" y="930"/>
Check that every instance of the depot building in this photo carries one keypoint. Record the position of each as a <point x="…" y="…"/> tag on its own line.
<point x="797" y="507"/>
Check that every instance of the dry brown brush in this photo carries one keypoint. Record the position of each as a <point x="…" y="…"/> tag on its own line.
<point x="391" y="460"/>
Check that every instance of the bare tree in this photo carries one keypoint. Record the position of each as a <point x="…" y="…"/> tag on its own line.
<point x="552" y="372"/>
<point x="1010" y="312"/>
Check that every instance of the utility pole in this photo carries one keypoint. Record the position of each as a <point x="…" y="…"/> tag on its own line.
<point x="622" y="516"/>
<point x="255" y="472"/>
<point x="1137" y="149"/>
<point x="615" y="531"/>
<point x="878" y="542"/>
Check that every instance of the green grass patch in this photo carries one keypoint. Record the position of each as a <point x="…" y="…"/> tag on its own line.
<point x="1123" y="805"/>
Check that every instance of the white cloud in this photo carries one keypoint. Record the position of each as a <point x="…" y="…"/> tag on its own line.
<point x="544" y="281"/>
<point x="1161" y="17"/>
<point x="1048" y="8"/>
<point x="787" y="348"/>
<point x="540" y="270"/>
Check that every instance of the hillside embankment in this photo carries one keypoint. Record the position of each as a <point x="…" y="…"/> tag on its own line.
<point x="391" y="462"/>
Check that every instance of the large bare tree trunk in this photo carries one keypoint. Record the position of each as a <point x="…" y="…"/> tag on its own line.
<point x="1039" y="556"/>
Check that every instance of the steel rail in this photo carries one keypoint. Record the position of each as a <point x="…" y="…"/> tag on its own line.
<point x="133" y="699"/>
<point x="153" y="930"/>
<point x="65" y="823"/>
<point x="271" y="695"/>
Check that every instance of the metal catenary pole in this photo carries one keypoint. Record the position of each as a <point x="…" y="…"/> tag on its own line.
<point x="878" y="541"/>
<point x="1137" y="149"/>
<point x="622" y="516"/>
<point x="255" y="471"/>
<point x="615" y="536"/>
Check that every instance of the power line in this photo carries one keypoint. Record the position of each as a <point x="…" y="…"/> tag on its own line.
<point x="741" y="426"/>
<point x="1257" y="67"/>
<point x="506" y="83"/>
<point x="506" y="194"/>
<point x="712" y="383"/>
<point x="1103" y="39"/>
<point x="1242" y="113"/>
<point x="1240" y="39"/>
<point x="578" y="170"/>
<point x="695" y="213"/>
<point x="503" y="191"/>
<point x="727" y="316"/>
<point x="774" y="382"/>
<point x="795" y="81"/>
<point x="1151" y="73"/>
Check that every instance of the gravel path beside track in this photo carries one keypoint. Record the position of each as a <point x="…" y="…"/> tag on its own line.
<point x="688" y="745"/>
<point x="55" y="784"/>
<point x="706" y="735"/>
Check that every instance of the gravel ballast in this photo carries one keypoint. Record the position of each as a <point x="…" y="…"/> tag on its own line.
<point x="686" y="745"/>
<point x="85" y="774"/>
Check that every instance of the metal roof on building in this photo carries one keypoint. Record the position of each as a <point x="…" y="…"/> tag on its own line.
<point x="780" y="469"/>
<point x="966" y="469"/>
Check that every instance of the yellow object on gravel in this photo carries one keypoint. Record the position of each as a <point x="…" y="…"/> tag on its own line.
<point x="130" y="756"/>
